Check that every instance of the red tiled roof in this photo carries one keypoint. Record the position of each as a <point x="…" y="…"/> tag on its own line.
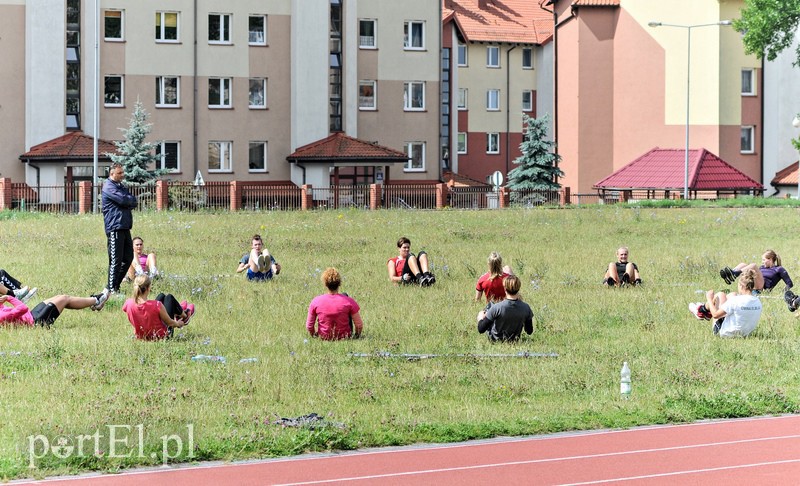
<point x="596" y="3"/>
<point x="453" y="179"/>
<point x="342" y="147"/>
<point x="72" y="146"/>
<point x="523" y="21"/>
<point x="664" y="169"/>
<point x="786" y="176"/>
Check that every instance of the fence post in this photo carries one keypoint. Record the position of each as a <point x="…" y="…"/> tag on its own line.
<point x="306" y="201"/>
<point x="84" y="197"/>
<point x="563" y="196"/>
<point x="236" y="195"/>
<point x="375" y="196"/>
<point x="162" y="195"/>
<point x="441" y="195"/>
<point x="5" y="193"/>
<point x="505" y="198"/>
<point x="624" y="196"/>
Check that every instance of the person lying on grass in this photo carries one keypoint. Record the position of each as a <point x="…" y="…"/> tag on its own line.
<point x="505" y="320"/>
<point x="768" y="275"/>
<point x="155" y="319"/>
<point x="622" y="272"/>
<point x="14" y="311"/>
<point x="260" y="265"/>
<point x="491" y="282"/>
<point x="13" y="287"/>
<point x="735" y="314"/>
<point x="407" y="268"/>
<point x="337" y="313"/>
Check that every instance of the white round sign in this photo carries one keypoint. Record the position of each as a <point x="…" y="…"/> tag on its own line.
<point x="497" y="178"/>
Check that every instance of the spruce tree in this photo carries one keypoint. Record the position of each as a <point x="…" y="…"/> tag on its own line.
<point x="136" y="155"/>
<point x="537" y="165"/>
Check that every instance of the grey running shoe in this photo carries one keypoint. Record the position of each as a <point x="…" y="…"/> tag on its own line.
<point x="29" y="294"/>
<point x="100" y="300"/>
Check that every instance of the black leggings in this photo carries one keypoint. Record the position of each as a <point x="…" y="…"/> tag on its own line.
<point x="10" y="282"/>
<point x="171" y="305"/>
<point x="120" y="257"/>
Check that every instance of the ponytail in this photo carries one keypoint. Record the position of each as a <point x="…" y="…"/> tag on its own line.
<point x="495" y="262"/>
<point x="141" y="287"/>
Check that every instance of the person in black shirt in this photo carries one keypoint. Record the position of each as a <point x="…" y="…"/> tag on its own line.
<point x="505" y="320"/>
<point x="622" y="272"/>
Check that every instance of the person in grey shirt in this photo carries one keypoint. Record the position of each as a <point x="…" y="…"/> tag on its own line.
<point x="505" y="320"/>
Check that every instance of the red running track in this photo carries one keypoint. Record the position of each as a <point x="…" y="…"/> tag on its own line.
<point x="763" y="450"/>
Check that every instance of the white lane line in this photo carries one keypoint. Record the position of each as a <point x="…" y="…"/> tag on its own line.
<point x="540" y="461"/>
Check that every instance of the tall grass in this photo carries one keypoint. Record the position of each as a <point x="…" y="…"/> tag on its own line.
<point x="87" y="373"/>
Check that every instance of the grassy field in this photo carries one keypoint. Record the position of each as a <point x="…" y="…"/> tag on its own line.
<point x="86" y="378"/>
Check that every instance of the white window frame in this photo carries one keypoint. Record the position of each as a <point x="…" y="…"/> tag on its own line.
<point x="374" y="85"/>
<point x="459" y="49"/>
<point x="492" y="136"/>
<point x="751" y="130"/>
<point x="121" y="101"/>
<point x="222" y="90"/>
<point x="264" y="146"/>
<point x="408" y="37"/>
<point x="225" y="35"/>
<point x="463" y="98"/>
<point x="250" y="104"/>
<point x="530" y="51"/>
<point x="160" y="35"/>
<point x="752" y="76"/>
<point x="121" y="13"/>
<point x="257" y="42"/>
<point x="408" y="88"/>
<point x="492" y="100"/>
<point x="225" y="149"/>
<point x="361" y="39"/>
<point x="461" y="148"/>
<point x="161" y="153"/>
<point x="408" y="148"/>
<point x="529" y="105"/>
<point x="161" y="89"/>
<point x="493" y="57"/>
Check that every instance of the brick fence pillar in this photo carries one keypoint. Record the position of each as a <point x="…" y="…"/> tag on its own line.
<point x="5" y="193"/>
<point x="375" y="196"/>
<point x="236" y="195"/>
<point x="625" y="196"/>
<point x="162" y="195"/>
<point x="505" y="197"/>
<point x="563" y="196"/>
<point x="84" y="197"/>
<point x="441" y="195"/>
<point x="306" y="197"/>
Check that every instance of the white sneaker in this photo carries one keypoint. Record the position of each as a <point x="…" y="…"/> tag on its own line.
<point x="29" y="294"/>
<point x="262" y="263"/>
<point x="21" y="293"/>
<point x="100" y="299"/>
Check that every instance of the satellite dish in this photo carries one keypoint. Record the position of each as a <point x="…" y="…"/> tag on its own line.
<point x="198" y="179"/>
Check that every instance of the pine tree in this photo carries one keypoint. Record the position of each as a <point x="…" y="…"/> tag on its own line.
<point x="537" y="165"/>
<point x="134" y="153"/>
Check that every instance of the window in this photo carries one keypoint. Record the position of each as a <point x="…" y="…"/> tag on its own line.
<point x="219" y="28"/>
<point x="366" y="33"/>
<point x="748" y="82"/>
<point x="257" y="28"/>
<point x="366" y="95"/>
<point x="462" y="55"/>
<point x="527" y="58"/>
<point x="112" y="96"/>
<point x="258" y="157"/>
<point x="169" y="156"/>
<point x="219" y="156"/>
<point x="414" y="96"/>
<point x="748" y="140"/>
<point x="258" y="92"/>
<point x="527" y="100"/>
<point x="493" y="100"/>
<point x="492" y="143"/>
<point x="167" y="27"/>
<point x="113" y="25"/>
<point x="462" y="143"/>
<point x="219" y="92"/>
<point x="462" y="98"/>
<point x="492" y="56"/>
<point x="414" y="35"/>
<point x="416" y="157"/>
<point x="168" y="91"/>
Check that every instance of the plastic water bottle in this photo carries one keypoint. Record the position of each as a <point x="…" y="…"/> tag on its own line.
<point x="625" y="381"/>
<point x="206" y="357"/>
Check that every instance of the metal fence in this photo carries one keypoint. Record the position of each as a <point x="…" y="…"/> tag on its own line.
<point x="473" y="198"/>
<point x="272" y="198"/>
<point x="336" y="197"/>
<point x="59" y="199"/>
<point x="409" y="196"/>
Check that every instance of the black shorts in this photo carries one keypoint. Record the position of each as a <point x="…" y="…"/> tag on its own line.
<point x="45" y="313"/>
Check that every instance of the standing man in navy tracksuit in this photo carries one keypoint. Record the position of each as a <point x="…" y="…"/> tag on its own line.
<point x="117" y="205"/>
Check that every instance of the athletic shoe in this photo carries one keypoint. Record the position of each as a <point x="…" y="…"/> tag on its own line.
<point x="422" y="280"/>
<point x="727" y="275"/>
<point x="262" y="264"/>
<point x="21" y="293"/>
<point x="100" y="299"/>
<point x="718" y="325"/>
<point x="30" y="294"/>
<point x="626" y="280"/>
<point x="188" y="309"/>
<point x="791" y="300"/>
<point x="699" y="310"/>
<point x="610" y="282"/>
<point x="637" y="282"/>
<point x="431" y="278"/>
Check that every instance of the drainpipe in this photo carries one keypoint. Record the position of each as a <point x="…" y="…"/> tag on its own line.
<point x="194" y="96"/>
<point x="508" y="106"/>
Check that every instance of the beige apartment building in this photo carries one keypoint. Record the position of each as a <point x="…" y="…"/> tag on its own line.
<point x="232" y="87"/>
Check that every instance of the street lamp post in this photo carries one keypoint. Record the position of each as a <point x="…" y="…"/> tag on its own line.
<point x="688" y="79"/>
